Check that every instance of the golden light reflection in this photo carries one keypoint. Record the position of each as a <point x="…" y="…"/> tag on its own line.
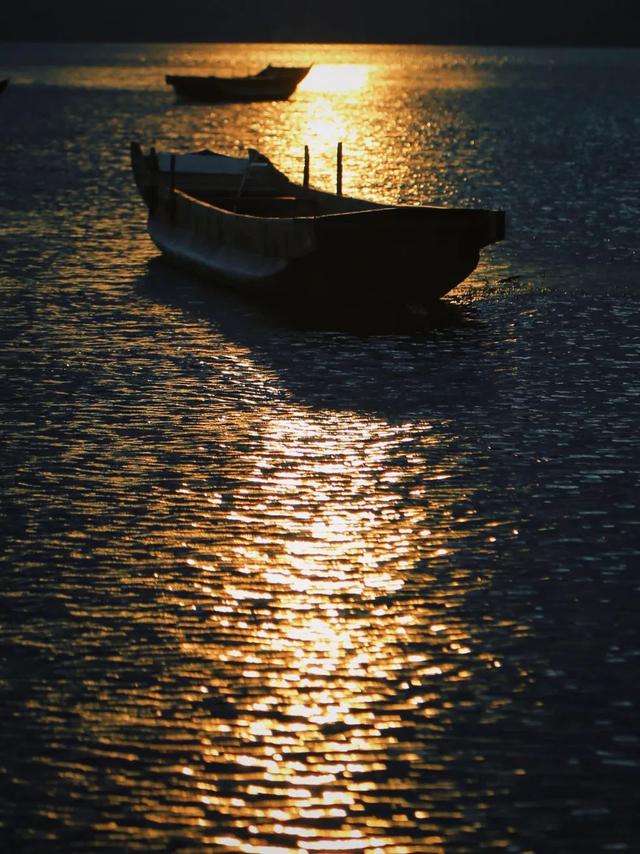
<point x="335" y="78"/>
<point x="325" y="668"/>
<point x="322" y="126"/>
<point x="334" y="106"/>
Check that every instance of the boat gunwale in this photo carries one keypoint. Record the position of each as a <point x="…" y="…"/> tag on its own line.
<point x="406" y="212"/>
<point x="285" y="219"/>
<point x="260" y="75"/>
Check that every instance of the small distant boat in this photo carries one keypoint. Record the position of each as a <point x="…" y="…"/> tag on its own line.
<point x="242" y="222"/>
<point x="3" y="84"/>
<point x="273" y="83"/>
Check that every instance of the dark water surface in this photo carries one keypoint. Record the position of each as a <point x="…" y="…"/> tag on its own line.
<point x="273" y="587"/>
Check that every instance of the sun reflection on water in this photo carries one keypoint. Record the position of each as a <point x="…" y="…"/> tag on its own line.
<point x="322" y="670"/>
<point x="335" y="78"/>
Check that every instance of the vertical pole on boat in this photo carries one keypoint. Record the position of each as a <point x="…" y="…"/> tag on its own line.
<point x="172" y="188"/>
<point x="339" y="170"/>
<point x="153" y="161"/>
<point x="305" y="176"/>
<point x="253" y="155"/>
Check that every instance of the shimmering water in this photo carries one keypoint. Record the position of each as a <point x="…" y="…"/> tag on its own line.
<point x="273" y="587"/>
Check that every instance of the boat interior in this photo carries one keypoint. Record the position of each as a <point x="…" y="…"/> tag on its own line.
<point x="271" y="206"/>
<point x="252" y="186"/>
<point x="292" y="204"/>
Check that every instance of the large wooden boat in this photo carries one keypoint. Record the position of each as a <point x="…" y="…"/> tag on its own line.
<point x="242" y="222"/>
<point x="273" y="83"/>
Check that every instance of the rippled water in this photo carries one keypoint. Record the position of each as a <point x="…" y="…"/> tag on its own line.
<point x="270" y="586"/>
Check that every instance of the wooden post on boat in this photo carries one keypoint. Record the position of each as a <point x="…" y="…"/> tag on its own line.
<point x="339" y="170"/>
<point x="253" y="154"/>
<point x="155" y="169"/>
<point x="172" y="189"/>
<point x="305" y="175"/>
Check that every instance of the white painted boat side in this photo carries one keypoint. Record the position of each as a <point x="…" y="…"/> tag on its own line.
<point x="221" y="260"/>
<point x="210" y="164"/>
<point x="279" y="238"/>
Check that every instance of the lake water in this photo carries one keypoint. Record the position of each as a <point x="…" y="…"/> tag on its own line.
<point x="270" y="586"/>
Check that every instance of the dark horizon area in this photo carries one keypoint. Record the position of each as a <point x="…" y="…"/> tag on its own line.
<point x="463" y="22"/>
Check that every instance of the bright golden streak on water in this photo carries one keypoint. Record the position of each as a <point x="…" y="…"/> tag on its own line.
<point x="305" y="591"/>
<point x="335" y="78"/>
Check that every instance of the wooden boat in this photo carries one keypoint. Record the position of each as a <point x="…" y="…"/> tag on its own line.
<point x="242" y="222"/>
<point x="273" y="83"/>
<point x="3" y="84"/>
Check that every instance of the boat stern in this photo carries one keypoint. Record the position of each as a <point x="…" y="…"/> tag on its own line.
<point x="144" y="167"/>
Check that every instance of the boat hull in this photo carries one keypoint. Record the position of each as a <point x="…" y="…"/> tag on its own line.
<point x="271" y="84"/>
<point x="369" y="274"/>
<point x="241" y="268"/>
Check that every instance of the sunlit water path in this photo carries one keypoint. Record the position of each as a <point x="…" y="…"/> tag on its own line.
<point x="270" y="586"/>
